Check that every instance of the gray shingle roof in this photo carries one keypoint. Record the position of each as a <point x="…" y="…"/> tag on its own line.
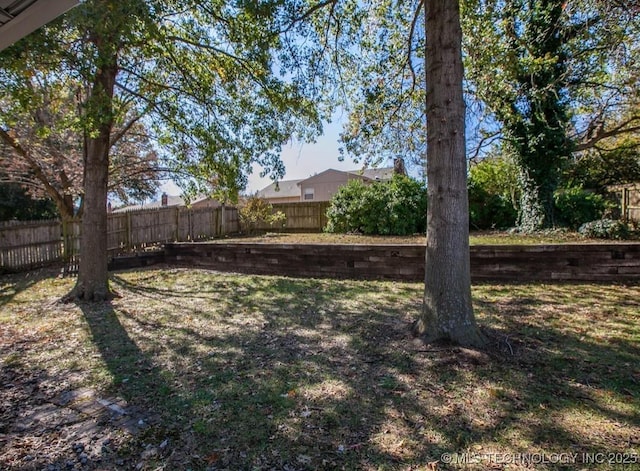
<point x="382" y="174"/>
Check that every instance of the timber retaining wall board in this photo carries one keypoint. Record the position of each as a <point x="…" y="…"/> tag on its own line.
<point x="566" y="262"/>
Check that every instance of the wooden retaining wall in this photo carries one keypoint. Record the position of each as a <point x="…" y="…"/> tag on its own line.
<point x="567" y="262"/>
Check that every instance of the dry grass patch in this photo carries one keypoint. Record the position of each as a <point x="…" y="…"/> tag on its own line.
<point x="253" y="372"/>
<point x="477" y="238"/>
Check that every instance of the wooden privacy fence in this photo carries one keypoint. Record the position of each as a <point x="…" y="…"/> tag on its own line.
<point x="300" y="217"/>
<point x="136" y="230"/>
<point x="629" y="197"/>
<point x="25" y="245"/>
<point x="631" y="202"/>
<point x="31" y="244"/>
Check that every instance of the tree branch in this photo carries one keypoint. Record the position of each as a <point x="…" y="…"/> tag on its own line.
<point x="485" y="141"/>
<point x="412" y="29"/>
<point x="616" y="131"/>
<point x="307" y="14"/>
<point x="121" y="133"/>
<point x="38" y="173"/>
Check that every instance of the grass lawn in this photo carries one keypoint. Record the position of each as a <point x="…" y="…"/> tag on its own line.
<point x="222" y="371"/>
<point x="476" y="238"/>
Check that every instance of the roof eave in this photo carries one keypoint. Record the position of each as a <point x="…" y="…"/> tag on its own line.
<point x="34" y="17"/>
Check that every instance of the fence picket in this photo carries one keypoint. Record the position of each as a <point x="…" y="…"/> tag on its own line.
<point x="25" y="245"/>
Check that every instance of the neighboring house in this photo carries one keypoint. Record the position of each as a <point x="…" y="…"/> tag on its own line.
<point x="320" y="187"/>
<point x="286" y="191"/>
<point x="167" y="201"/>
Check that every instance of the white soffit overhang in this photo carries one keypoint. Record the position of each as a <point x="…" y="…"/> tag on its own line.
<point x="18" y="18"/>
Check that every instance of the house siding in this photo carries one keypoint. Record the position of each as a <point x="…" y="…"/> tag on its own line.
<point x="327" y="184"/>
<point x="206" y="203"/>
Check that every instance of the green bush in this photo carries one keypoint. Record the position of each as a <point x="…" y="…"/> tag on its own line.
<point x="489" y="211"/>
<point x="397" y="207"/>
<point x="605" y="229"/>
<point x="576" y="206"/>
<point x="258" y="211"/>
<point x="493" y="193"/>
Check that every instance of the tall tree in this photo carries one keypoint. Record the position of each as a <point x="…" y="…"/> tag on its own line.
<point x="376" y="54"/>
<point x="447" y="311"/>
<point x="529" y="97"/>
<point x="42" y="140"/>
<point x="555" y="75"/>
<point x="203" y="73"/>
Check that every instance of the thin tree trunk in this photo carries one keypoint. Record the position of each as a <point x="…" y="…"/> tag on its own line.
<point x="447" y="311"/>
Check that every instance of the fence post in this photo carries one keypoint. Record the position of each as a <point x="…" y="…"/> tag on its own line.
<point x="129" y="231"/>
<point x="66" y="252"/>
<point x="625" y="204"/>
<point x="214" y="228"/>
<point x="223" y="225"/>
<point x="68" y="244"/>
<point x="177" y="237"/>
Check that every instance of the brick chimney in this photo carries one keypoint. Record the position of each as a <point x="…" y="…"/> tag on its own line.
<point x="398" y="166"/>
<point x="165" y="199"/>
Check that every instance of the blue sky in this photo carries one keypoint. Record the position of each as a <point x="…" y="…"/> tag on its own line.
<point x="301" y="160"/>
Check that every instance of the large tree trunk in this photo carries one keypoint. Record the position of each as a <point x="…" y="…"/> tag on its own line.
<point x="93" y="276"/>
<point x="537" y="208"/>
<point x="448" y="311"/>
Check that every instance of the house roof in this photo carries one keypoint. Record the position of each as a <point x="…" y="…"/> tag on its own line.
<point x="377" y="174"/>
<point x="20" y="18"/>
<point x="291" y="188"/>
<point x="380" y="174"/>
<point x="281" y="189"/>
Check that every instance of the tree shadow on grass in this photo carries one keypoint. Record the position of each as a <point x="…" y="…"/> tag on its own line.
<point x="13" y="284"/>
<point x="149" y="398"/>
<point x="317" y="374"/>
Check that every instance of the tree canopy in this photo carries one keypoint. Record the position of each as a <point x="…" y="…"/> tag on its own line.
<point x="207" y="79"/>
<point x="557" y="77"/>
<point x="545" y="80"/>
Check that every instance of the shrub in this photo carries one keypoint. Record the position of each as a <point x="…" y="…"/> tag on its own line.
<point x="576" y="206"/>
<point x="397" y="207"/>
<point x="258" y="211"/>
<point x="489" y="211"/>
<point x="493" y="193"/>
<point x="605" y="229"/>
<point x="346" y="209"/>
